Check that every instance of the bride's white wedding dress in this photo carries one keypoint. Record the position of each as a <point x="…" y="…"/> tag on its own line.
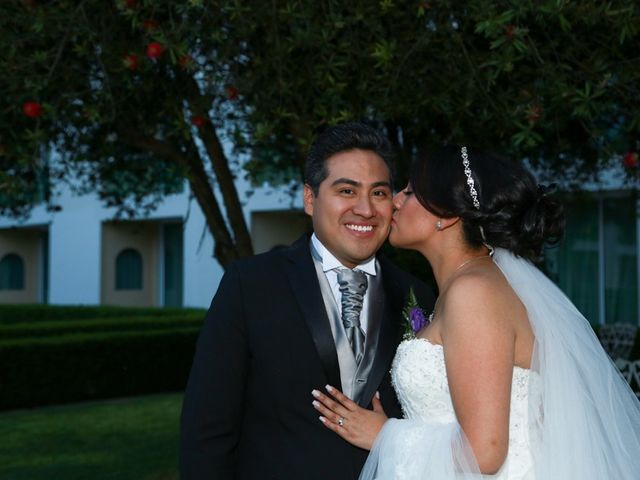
<point x="572" y="416"/>
<point x="420" y="380"/>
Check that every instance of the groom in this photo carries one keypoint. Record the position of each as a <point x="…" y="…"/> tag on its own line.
<point x="326" y="310"/>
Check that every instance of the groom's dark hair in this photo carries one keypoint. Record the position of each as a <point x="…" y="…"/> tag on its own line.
<point x="342" y="138"/>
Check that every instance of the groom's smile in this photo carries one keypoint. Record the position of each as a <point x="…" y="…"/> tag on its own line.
<point x="360" y="228"/>
<point x="352" y="211"/>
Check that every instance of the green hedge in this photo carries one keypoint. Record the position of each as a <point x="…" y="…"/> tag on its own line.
<point x="10" y="314"/>
<point x="51" y="355"/>
<point x="64" y="327"/>
<point x="47" y="358"/>
<point x="81" y="367"/>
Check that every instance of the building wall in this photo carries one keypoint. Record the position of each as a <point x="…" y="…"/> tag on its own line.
<point x="74" y="249"/>
<point x="27" y="244"/>
<point x="145" y="238"/>
<point x="75" y="242"/>
<point x="202" y="273"/>
<point x="78" y="273"/>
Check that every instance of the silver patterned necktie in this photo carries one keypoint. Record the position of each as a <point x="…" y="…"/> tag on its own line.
<point x="353" y="285"/>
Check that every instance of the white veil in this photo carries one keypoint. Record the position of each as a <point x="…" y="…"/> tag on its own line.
<point x="585" y="424"/>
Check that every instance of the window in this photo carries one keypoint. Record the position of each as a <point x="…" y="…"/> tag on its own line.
<point x="620" y="260"/>
<point x="574" y="264"/>
<point x="129" y="270"/>
<point x="173" y="252"/>
<point x="596" y="264"/>
<point x="11" y="272"/>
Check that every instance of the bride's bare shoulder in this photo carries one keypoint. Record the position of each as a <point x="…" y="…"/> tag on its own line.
<point x="482" y="296"/>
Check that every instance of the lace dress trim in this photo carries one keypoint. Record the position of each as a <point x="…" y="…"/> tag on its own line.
<point x="419" y="377"/>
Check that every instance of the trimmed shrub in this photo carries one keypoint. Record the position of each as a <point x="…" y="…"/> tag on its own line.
<point x="52" y="354"/>
<point x="11" y="314"/>
<point x="34" y="329"/>
<point x="82" y="367"/>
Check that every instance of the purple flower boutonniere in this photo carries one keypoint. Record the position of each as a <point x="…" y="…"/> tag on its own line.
<point x="414" y="316"/>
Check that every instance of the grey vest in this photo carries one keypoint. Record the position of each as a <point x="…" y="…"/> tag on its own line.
<point x="354" y="377"/>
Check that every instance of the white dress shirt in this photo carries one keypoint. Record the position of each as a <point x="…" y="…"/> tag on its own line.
<point x="330" y="267"/>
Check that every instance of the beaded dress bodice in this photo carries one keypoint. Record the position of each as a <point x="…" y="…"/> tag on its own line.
<point x="420" y="380"/>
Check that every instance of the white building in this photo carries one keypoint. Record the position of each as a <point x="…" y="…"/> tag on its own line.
<point x="81" y="255"/>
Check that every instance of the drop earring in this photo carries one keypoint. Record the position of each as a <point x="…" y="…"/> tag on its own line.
<point x="439" y="225"/>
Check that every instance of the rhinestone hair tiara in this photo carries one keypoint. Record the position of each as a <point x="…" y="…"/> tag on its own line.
<point x="470" y="182"/>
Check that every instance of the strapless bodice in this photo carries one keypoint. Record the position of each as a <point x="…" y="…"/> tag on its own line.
<point x="420" y="379"/>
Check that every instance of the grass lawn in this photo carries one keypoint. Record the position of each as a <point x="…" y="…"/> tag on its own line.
<point x="134" y="438"/>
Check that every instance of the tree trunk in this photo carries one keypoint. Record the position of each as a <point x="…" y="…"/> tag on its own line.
<point x="220" y="164"/>
<point x="228" y="189"/>
<point x="225" y="250"/>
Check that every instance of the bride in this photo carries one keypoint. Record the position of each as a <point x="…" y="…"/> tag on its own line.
<point x="508" y="379"/>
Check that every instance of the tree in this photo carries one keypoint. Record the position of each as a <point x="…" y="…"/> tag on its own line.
<point x="134" y="94"/>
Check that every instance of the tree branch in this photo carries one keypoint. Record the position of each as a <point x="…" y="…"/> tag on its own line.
<point x="225" y="249"/>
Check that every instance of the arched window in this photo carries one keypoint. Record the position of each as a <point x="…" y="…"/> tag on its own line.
<point x="11" y="272"/>
<point x="129" y="270"/>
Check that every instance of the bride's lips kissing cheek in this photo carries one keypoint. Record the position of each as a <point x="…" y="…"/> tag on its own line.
<point x="412" y="225"/>
<point x="351" y="210"/>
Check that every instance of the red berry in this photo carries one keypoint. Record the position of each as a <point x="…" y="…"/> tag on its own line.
<point x="32" y="109"/>
<point x="130" y="3"/>
<point x="232" y="92"/>
<point x="130" y="61"/>
<point x="198" y="120"/>
<point x="630" y="160"/>
<point x="510" y="32"/>
<point x="155" y="50"/>
<point x="150" y="25"/>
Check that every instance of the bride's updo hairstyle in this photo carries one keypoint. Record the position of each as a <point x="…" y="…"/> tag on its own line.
<point x="509" y="208"/>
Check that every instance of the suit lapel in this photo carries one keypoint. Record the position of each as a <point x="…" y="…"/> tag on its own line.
<point x="306" y="288"/>
<point x="388" y="334"/>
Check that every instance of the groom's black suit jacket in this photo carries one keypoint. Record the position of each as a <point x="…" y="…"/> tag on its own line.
<point x="265" y="344"/>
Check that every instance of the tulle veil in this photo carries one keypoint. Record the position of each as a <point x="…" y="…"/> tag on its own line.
<point x="585" y="421"/>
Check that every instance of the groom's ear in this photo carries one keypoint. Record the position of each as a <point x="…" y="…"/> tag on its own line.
<point x="307" y="198"/>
